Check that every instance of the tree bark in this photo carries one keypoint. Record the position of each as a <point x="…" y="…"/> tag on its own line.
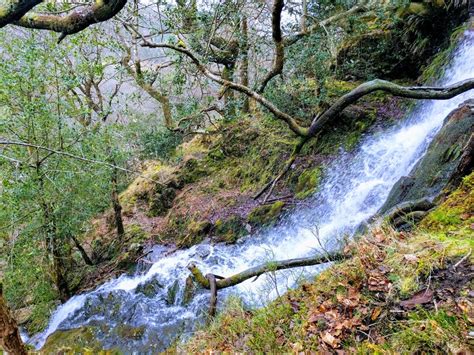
<point x="415" y="92"/>
<point x="10" y="339"/>
<point x="228" y="94"/>
<point x="213" y="287"/>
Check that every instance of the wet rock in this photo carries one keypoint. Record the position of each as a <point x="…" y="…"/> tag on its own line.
<point x="162" y="200"/>
<point x="308" y="183"/>
<point x="203" y="251"/>
<point x="172" y="293"/>
<point x="229" y="230"/>
<point x="75" y="341"/>
<point x="149" y="289"/>
<point x="446" y="158"/>
<point x="23" y="315"/>
<point x="189" y="290"/>
<point x="126" y="331"/>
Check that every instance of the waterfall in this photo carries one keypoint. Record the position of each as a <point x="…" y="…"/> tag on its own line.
<point x="355" y="187"/>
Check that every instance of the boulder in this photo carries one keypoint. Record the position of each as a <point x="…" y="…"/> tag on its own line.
<point x="447" y="159"/>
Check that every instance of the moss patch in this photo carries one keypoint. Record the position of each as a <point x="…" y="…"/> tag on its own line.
<point x="266" y="214"/>
<point x="229" y="230"/>
<point x="308" y="183"/>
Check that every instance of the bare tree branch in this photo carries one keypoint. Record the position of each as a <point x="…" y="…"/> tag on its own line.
<point x="60" y="152"/>
<point x="282" y="42"/>
<point x="279" y="59"/>
<point x="11" y="11"/>
<point x="292" y="123"/>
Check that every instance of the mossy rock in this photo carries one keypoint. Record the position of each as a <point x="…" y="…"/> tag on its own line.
<point x="172" y="292"/>
<point x="199" y="228"/>
<point x="308" y="183"/>
<point x="126" y="331"/>
<point x="75" y="341"/>
<point x="135" y="233"/>
<point x="149" y="289"/>
<point x="266" y="214"/>
<point x="230" y="230"/>
<point x="439" y="166"/>
<point x="189" y="290"/>
<point x="191" y="171"/>
<point x="161" y="201"/>
<point x="188" y="233"/>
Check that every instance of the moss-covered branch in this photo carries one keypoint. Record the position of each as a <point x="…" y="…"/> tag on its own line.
<point x="13" y="10"/>
<point x="74" y="22"/>
<point x="413" y="92"/>
<point x="262" y="269"/>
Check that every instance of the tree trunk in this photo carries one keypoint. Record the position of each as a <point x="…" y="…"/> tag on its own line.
<point x="10" y="340"/>
<point x="84" y="255"/>
<point x="228" y="94"/>
<point x="59" y="270"/>
<point x="244" y="64"/>
<point x="53" y="242"/>
<point x="117" y="206"/>
<point x="224" y="282"/>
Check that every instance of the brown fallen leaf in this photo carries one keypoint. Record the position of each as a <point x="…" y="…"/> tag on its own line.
<point x="330" y="340"/>
<point x="376" y="313"/>
<point x="422" y="297"/>
<point x="467" y="307"/>
<point x="411" y="258"/>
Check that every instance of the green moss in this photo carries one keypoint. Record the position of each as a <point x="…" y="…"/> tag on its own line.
<point x="229" y="230"/>
<point x="454" y="214"/>
<point x="75" y="341"/>
<point x="428" y="332"/>
<point x="136" y="233"/>
<point x="129" y="332"/>
<point x="191" y="171"/>
<point x="149" y="289"/>
<point x="40" y="316"/>
<point x="308" y="183"/>
<point x="172" y="292"/>
<point x="161" y="200"/>
<point x="189" y="290"/>
<point x="438" y="64"/>
<point x="266" y="214"/>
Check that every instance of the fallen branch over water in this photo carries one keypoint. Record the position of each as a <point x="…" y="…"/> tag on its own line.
<point x="214" y="282"/>
<point x="263" y="268"/>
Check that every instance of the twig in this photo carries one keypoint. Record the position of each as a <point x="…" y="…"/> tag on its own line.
<point x="462" y="259"/>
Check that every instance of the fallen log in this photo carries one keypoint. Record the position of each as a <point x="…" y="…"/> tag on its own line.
<point x="263" y="268"/>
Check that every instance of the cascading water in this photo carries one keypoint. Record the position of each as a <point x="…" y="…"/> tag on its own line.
<point x="355" y="187"/>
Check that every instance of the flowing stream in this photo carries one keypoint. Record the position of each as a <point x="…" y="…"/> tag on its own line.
<point x="152" y="302"/>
